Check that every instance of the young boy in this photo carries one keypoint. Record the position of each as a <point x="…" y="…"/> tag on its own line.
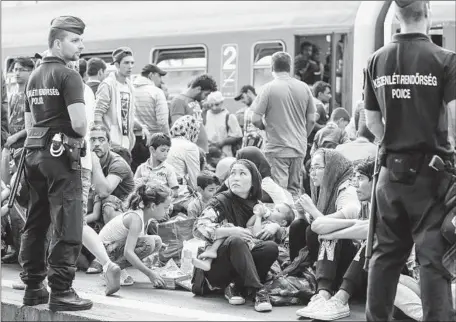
<point x="155" y="168"/>
<point x="208" y="184"/>
<point x="282" y="214"/>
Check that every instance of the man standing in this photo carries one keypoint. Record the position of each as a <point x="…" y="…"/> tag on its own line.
<point x="289" y="111"/>
<point x="188" y="103"/>
<point x="54" y="110"/>
<point x="96" y="71"/>
<point x="115" y="102"/>
<point x="151" y="110"/>
<point x="306" y="69"/>
<point x="411" y="83"/>
<point x="253" y="136"/>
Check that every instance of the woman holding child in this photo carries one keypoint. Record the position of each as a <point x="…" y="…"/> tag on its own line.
<point x="238" y="268"/>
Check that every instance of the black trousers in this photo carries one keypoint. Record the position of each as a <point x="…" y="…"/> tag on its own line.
<point x="355" y="278"/>
<point x="55" y="196"/>
<point x="139" y="154"/>
<point x="334" y="258"/>
<point x="301" y="236"/>
<point x="409" y="214"/>
<point x="236" y="263"/>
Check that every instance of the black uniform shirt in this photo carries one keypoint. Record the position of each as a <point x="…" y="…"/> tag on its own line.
<point x="52" y="87"/>
<point x="409" y="80"/>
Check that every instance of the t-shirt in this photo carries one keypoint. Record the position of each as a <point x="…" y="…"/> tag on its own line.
<point x="93" y="84"/>
<point x="184" y="105"/>
<point x="51" y="88"/>
<point x="116" y="165"/>
<point x="359" y="149"/>
<point x="125" y="97"/>
<point x="285" y="103"/>
<point x="410" y="81"/>
<point x="163" y="174"/>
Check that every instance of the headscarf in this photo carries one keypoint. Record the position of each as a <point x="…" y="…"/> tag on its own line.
<point x="223" y="168"/>
<point x="255" y="155"/>
<point x="231" y="207"/>
<point x="338" y="170"/>
<point x="186" y="126"/>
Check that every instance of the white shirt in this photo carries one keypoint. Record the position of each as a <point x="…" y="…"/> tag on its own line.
<point x="89" y="99"/>
<point x="115" y="230"/>
<point x="359" y="149"/>
<point x="216" y="128"/>
<point x="183" y="157"/>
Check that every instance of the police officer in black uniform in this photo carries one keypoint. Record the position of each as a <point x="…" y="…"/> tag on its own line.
<point x="411" y="83"/>
<point x="56" y="123"/>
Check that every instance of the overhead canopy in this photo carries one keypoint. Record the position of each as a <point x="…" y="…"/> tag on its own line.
<point x="28" y="24"/>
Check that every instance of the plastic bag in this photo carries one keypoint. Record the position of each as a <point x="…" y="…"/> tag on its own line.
<point x="291" y="290"/>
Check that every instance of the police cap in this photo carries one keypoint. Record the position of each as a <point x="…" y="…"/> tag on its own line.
<point x="69" y="23"/>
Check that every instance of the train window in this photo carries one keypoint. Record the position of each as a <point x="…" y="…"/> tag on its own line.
<point x="106" y="56"/>
<point x="262" y="53"/>
<point x="182" y="64"/>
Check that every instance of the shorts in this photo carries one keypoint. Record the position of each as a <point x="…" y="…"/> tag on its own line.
<point x="111" y="201"/>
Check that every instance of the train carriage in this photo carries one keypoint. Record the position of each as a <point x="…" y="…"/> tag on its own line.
<point x="233" y="41"/>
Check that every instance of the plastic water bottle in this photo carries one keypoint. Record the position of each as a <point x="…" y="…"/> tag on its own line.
<point x="186" y="262"/>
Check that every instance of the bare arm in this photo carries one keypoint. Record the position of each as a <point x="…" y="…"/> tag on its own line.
<point x="104" y="186"/>
<point x="357" y="231"/>
<point x="325" y="225"/>
<point x="452" y="122"/>
<point x="375" y="123"/>
<point x="134" y="225"/>
<point x="78" y="118"/>
<point x="95" y="214"/>
<point x="310" y="114"/>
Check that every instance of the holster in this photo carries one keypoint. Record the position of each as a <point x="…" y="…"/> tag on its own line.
<point x="37" y="138"/>
<point x="75" y="149"/>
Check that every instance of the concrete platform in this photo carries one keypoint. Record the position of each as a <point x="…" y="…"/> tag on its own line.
<point x="141" y="302"/>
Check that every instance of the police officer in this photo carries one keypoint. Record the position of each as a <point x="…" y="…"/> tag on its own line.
<point x="411" y="83"/>
<point x="56" y="123"/>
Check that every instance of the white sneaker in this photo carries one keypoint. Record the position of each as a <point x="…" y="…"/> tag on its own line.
<point x="314" y="304"/>
<point x="333" y="309"/>
<point x="125" y="278"/>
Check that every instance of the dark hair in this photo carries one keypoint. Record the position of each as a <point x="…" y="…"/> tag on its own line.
<point x="366" y="133"/>
<point x="82" y="67"/>
<point x="289" y="216"/>
<point x="306" y="44"/>
<point x="56" y="33"/>
<point x="214" y="152"/>
<point x="26" y="62"/>
<point x="100" y="127"/>
<point x="148" y="193"/>
<point x="94" y="65"/>
<point x="413" y="12"/>
<point x="366" y="167"/>
<point x="159" y="139"/>
<point x="123" y="152"/>
<point x="281" y="62"/>
<point x="320" y="87"/>
<point x="205" y="81"/>
<point x="340" y="113"/>
<point x="206" y="178"/>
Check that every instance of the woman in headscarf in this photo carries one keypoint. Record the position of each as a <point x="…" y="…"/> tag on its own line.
<point x="332" y="196"/>
<point x="272" y="192"/>
<point x="237" y="269"/>
<point x="184" y="157"/>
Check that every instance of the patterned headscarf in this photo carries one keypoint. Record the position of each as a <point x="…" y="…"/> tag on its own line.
<point x="186" y="126"/>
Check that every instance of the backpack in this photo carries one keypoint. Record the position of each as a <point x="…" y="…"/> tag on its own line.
<point x="235" y="147"/>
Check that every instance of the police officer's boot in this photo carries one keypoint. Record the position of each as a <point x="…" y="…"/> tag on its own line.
<point x="35" y="295"/>
<point x="68" y="301"/>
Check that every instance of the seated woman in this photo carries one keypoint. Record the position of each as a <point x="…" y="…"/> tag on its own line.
<point x="272" y="192"/>
<point x="184" y="158"/>
<point x="332" y="196"/>
<point x="237" y="269"/>
<point x="124" y="236"/>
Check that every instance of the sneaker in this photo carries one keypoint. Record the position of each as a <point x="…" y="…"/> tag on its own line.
<point x="315" y="302"/>
<point x="233" y="295"/>
<point x="333" y="309"/>
<point x="262" y="301"/>
<point x="68" y="301"/>
<point x="94" y="268"/>
<point x="125" y="278"/>
<point x="112" y="278"/>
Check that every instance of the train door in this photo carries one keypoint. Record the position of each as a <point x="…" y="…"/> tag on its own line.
<point x="329" y="52"/>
